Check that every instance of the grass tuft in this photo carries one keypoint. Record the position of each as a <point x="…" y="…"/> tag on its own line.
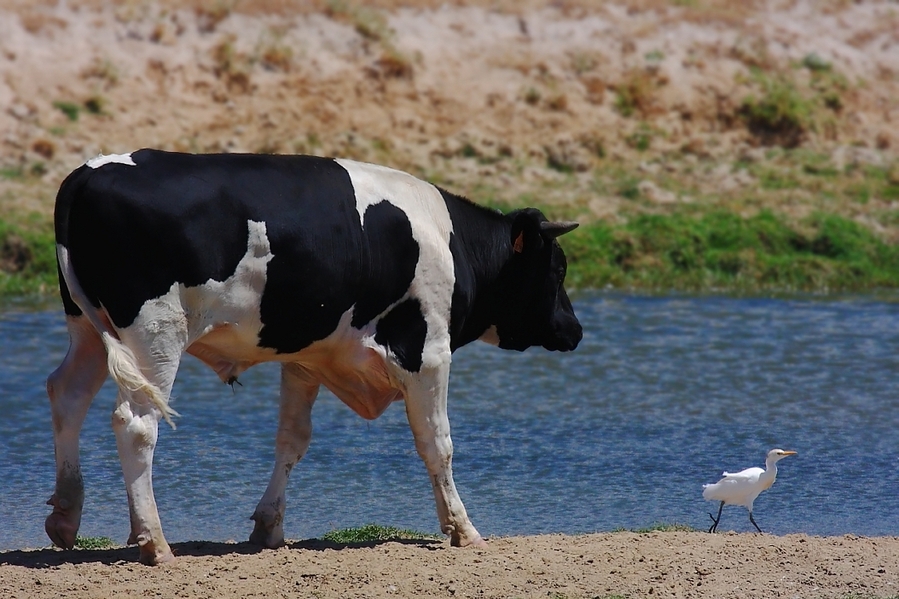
<point x="375" y="532"/>
<point x="666" y="527"/>
<point x="70" y="109"/>
<point x="781" y="115"/>
<point x="659" y="527"/>
<point x="94" y="543"/>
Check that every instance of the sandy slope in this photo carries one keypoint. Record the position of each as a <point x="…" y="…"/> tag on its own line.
<point x="491" y="102"/>
<point x="675" y="564"/>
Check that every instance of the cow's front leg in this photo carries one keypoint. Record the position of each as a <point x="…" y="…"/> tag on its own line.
<point x="71" y="388"/>
<point x="298" y="392"/>
<point x="426" y="409"/>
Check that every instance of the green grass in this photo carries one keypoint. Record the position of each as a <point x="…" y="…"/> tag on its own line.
<point x="781" y="112"/>
<point x="12" y="172"/>
<point x="94" y="543"/>
<point x="27" y="256"/>
<point x="375" y="532"/>
<point x="70" y="109"/>
<point x="719" y="250"/>
<point x="660" y="527"/>
<point x="691" y="249"/>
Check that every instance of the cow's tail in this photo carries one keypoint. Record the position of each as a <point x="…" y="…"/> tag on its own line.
<point x="120" y="360"/>
<point x="124" y="370"/>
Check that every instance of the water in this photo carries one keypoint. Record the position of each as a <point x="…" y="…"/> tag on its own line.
<point x="661" y="396"/>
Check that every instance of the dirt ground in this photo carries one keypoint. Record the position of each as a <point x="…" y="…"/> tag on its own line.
<point x="621" y="564"/>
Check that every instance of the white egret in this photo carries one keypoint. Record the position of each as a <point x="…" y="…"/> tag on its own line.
<point x="741" y="488"/>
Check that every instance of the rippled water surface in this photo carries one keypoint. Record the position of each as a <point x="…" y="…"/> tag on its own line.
<point x="661" y="396"/>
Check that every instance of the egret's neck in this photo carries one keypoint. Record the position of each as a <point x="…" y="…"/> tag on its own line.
<point x="770" y="469"/>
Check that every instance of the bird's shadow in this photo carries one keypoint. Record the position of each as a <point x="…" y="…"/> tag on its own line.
<point x="52" y="557"/>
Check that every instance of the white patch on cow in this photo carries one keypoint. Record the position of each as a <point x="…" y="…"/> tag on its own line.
<point x="100" y="160"/>
<point x="434" y="277"/>
<point x="217" y="321"/>
<point x="236" y="300"/>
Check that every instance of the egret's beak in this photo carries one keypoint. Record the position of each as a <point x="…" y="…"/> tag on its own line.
<point x="789" y="453"/>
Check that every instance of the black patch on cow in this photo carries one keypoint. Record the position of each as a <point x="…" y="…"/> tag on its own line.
<point x="389" y="256"/>
<point x="319" y="272"/>
<point x="134" y="231"/>
<point x="325" y="264"/>
<point x="403" y="331"/>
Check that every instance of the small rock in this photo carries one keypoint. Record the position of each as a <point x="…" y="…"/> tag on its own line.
<point x="20" y="111"/>
<point x="750" y="154"/>
<point x="656" y="194"/>
<point x="855" y="156"/>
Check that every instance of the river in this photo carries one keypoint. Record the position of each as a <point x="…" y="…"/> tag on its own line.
<point x="661" y="396"/>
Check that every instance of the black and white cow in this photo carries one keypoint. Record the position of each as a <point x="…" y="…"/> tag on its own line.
<point x="353" y="276"/>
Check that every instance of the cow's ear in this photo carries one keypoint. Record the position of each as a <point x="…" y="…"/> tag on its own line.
<point x="526" y="231"/>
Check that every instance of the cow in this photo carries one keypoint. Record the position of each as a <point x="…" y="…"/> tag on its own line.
<point x="354" y="276"/>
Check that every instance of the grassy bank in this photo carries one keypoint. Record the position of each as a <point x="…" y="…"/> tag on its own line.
<point x="27" y="255"/>
<point x="692" y="250"/>
<point x="722" y="251"/>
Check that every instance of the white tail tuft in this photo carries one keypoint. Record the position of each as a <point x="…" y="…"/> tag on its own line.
<point x="120" y="360"/>
<point x="123" y="368"/>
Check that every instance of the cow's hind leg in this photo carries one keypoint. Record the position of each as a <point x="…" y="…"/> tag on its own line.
<point x="298" y="392"/>
<point x="135" y="421"/>
<point x="426" y="409"/>
<point x="71" y="387"/>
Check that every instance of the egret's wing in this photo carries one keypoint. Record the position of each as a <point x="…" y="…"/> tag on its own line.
<point x="750" y="474"/>
<point x="737" y="488"/>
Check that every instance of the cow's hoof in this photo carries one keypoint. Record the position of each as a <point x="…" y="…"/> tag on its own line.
<point x="60" y="530"/>
<point x="156" y="558"/>
<point x="269" y="535"/>
<point x="457" y="539"/>
<point x="478" y="543"/>
<point x="154" y="554"/>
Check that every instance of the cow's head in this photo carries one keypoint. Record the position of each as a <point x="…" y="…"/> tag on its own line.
<point x="533" y="308"/>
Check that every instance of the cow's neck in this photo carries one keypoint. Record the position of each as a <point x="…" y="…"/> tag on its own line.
<point x="481" y="246"/>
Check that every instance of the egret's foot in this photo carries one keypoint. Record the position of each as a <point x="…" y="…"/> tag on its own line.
<point x="714" y="526"/>
<point x="63" y="523"/>
<point x="268" y="531"/>
<point x="751" y="519"/>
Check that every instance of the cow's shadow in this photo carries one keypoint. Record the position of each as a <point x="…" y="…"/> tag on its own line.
<point x="53" y="557"/>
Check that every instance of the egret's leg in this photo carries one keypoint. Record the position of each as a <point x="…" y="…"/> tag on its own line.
<point x="718" y="519"/>
<point x="751" y="519"/>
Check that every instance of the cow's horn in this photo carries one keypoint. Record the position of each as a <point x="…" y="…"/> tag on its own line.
<point x="554" y="229"/>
